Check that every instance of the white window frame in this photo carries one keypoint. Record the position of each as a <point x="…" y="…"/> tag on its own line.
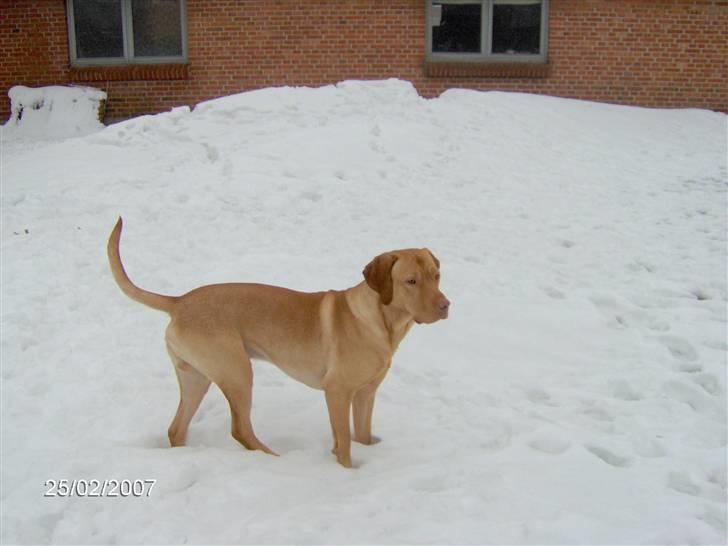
<point x="486" y="32"/>
<point x="128" y="39"/>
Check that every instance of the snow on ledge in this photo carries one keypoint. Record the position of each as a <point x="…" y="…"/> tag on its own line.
<point x="53" y="112"/>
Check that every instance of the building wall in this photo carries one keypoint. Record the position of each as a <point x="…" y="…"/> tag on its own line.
<point x="659" y="53"/>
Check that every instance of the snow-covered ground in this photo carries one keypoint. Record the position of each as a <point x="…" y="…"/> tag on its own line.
<point x="576" y="394"/>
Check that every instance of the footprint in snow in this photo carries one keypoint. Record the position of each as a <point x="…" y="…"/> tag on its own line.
<point x="597" y="413"/>
<point x="553" y="293"/>
<point x="717" y="476"/>
<point x="627" y="317"/>
<point x="212" y="153"/>
<point x="607" y="305"/>
<point x="623" y="390"/>
<point x="567" y="244"/>
<point x="716" y="345"/>
<point x="690" y="367"/>
<point x="542" y="398"/>
<point x="497" y="436"/>
<point x="715" y="518"/>
<point x="609" y="457"/>
<point x="679" y="348"/>
<point x="709" y="383"/>
<point x="649" y="448"/>
<point x="645" y="319"/>
<point x="682" y="483"/>
<point x="639" y="265"/>
<point x="549" y="444"/>
<point x="687" y="394"/>
<point x="657" y="325"/>
<point x="311" y="196"/>
<point x="701" y="295"/>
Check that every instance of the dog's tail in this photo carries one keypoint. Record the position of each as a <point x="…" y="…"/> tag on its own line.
<point x="150" y="299"/>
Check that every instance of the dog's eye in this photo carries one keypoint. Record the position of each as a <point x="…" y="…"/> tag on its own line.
<point x="437" y="276"/>
<point x="411" y="281"/>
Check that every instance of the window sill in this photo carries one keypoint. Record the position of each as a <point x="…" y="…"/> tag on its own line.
<point x="129" y="72"/>
<point x="470" y="69"/>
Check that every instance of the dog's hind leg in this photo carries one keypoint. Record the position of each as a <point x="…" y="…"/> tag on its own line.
<point x="236" y="384"/>
<point x="192" y="388"/>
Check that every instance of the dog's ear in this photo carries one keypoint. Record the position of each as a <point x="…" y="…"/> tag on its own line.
<point x="437" y="262"/>
<point x="378" y="274"/>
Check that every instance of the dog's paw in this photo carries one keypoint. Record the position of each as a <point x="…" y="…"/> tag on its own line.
<point x="368" y="441"/>
<point x="344" y="461"/>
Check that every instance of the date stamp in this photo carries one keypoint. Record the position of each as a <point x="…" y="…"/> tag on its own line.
<point x="99" y="488"/>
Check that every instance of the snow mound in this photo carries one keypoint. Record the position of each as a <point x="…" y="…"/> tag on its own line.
<point x="576" y="394"/>
<point x="53" y="112"/>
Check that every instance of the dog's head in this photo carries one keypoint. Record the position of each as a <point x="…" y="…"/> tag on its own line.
<point x="409" y="280"/>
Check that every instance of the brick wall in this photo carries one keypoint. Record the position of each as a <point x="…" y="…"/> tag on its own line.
<point x="663" y="53"/>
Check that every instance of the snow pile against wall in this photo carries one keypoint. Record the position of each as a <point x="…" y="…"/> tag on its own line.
<point x="54" y="112"/>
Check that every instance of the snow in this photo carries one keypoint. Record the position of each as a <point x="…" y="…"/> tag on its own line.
<point x="54" y="112"/>
<point x="576" y="394"/>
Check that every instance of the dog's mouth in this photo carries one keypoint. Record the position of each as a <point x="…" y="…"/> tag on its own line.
<point x="440" y="316"/>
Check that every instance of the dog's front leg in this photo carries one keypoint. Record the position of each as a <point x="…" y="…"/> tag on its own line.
<point x="339" y="404"/>
<point x="363" y="405"/>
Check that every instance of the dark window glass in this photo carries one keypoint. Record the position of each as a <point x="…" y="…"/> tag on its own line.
<point x="157" y="28"/>
<point x="459" y="30"/>
<point x="98" y="27"/>
<point x="517" y="28"/>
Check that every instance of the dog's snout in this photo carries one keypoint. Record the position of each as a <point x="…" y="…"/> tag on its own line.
<point x="443" y="305"/>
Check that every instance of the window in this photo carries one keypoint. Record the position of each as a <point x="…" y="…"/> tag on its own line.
<point x="487" y="30"/>
<point x="112" y="32"/>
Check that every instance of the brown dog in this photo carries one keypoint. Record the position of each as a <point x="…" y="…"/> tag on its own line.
<point x="339" y="341"/>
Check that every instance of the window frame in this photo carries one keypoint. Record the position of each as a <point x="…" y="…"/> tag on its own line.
<point x="127" y="29"/>
<point x="486" y="33"/>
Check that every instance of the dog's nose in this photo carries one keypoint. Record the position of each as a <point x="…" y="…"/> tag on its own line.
<point x="444" y="304"/>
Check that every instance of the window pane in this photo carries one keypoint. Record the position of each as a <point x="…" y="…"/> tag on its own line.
<point x="98" y="29"/>
<point x="517" y="28"/>
<point x="459" y="29"/>
<point x="157" y="28"/>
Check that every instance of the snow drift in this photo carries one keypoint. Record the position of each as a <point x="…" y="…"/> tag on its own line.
<point x="577" y="393"/>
